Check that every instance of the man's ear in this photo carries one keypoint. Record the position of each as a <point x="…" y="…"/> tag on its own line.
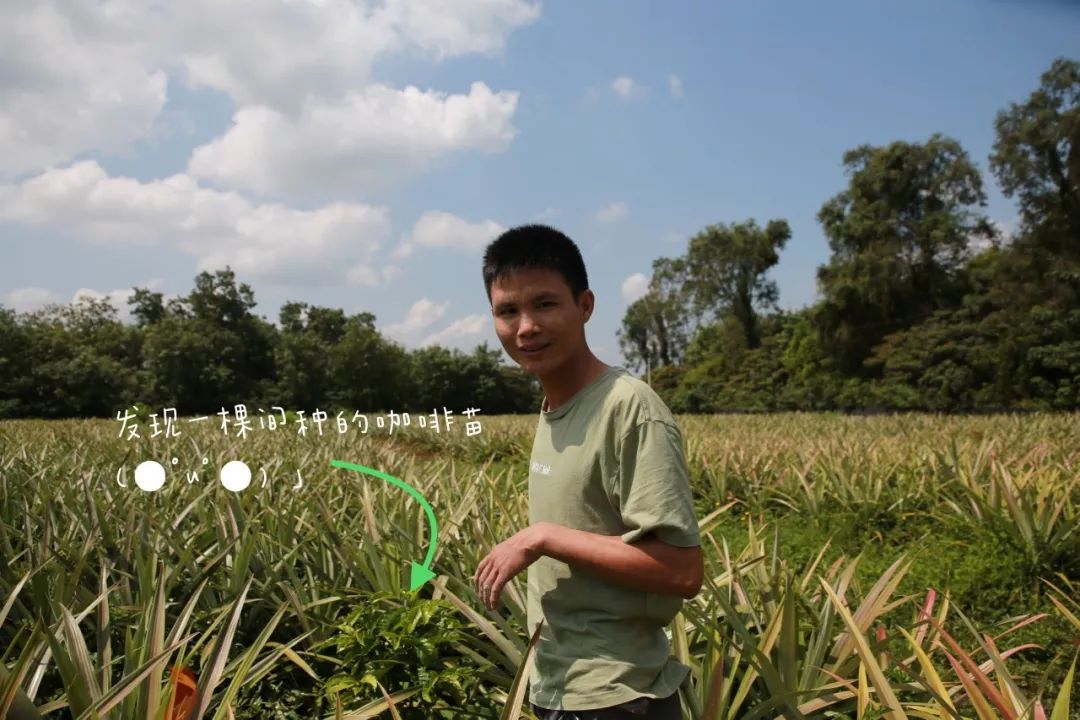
<point x="588" y="302"/>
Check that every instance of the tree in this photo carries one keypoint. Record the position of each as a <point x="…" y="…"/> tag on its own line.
<point x="208" y="350"/>
<point x="441" y="376"/>
<point x="16" y="364"/>
<point x="80" y="359"/>
<point x="750" y="380"/>
<point x="726" y="267"/>
<point x="1036" y="158"/>
<point x="147" y="307"/>
<point x="947" y="362"/>
<point x="900" y="235"/>
<point x="368" y="371"/>
<point x="302" y="356"/>
<point x="655" y="327"/>
<point x="192" y="365"/>
<point x="635" y="336"/>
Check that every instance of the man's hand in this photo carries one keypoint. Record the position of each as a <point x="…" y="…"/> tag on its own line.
<point x="506" y="560"/>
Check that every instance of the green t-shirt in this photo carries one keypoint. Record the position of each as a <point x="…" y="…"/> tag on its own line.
<point x="609" y="461"/>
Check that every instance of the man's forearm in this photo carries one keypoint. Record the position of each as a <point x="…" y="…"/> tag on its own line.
<point x="649" y="565"/>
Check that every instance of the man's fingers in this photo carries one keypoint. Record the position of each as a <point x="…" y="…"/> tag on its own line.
<point x="483" y="570"/>
<point x="496" y="591"/>
<point x="486" y="581"/>
<point x="480" y="585"/>
<point x="493" y="589"/>
<point x="496" y="582"/>
<point x="483" y="579"/>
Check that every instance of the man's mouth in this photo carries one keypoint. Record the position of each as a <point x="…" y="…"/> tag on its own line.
<point x="533" y="350"/>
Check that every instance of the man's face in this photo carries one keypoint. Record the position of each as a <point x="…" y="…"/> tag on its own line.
<point x="537" y="320"/>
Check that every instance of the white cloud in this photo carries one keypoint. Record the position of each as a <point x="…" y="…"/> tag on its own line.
<point x="363" y="275"/>
<point x="118" y="298"/>
<point x="436" y="228"/>
<point x="369" y="276"/>
<point x="625" y="87"/>
<point x="634" y="287"/>
<point x="463" y="333"/>
<point x="611" y="213"/>
<point x="363" y="140"/>
<point x="74" y="77"/>
<point x="28" y="299"/>
<point x="675" y="86"/>
<point x="277" y="53"/>
<point x="92" y="77"/>
<point x="548" y="213"/>
<point x="264" y="241"/>
<point x="441" y="28"/>
<point x="424" y="312"/>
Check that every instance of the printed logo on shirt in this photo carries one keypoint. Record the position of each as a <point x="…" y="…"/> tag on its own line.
<point x="540" y="468"/>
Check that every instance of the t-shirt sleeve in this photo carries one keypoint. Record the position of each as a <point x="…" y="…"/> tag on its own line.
<point x="652" y="488"/>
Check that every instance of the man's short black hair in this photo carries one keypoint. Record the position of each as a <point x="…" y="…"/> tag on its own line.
<point x="535" y="246"/>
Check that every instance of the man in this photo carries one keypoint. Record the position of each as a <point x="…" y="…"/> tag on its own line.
<point x="613" y="545"/>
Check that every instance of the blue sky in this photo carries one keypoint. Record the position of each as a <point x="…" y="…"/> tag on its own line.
<point x="358" y="156"/>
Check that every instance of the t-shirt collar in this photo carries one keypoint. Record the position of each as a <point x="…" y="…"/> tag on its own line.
<point x="558" y="412"/>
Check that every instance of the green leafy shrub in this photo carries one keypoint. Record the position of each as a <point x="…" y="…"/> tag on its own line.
<point x="408" y="643"/>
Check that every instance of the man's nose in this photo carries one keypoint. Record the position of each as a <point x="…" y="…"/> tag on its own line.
<point x="526" y="324"/>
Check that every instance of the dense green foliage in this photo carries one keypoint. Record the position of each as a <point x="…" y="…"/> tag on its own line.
<point x="209" y="349"/>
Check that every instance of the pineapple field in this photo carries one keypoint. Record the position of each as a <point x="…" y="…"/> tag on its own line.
<point x="901" y="566"/>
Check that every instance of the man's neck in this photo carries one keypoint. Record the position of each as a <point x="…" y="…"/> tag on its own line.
<point x="570" y="378"/>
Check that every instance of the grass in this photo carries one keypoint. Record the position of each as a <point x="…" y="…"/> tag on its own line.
<point x="827" y="538"/>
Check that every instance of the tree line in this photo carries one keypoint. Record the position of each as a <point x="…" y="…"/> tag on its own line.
<point x="209" y="350"/>
<point x="924" y="303"/>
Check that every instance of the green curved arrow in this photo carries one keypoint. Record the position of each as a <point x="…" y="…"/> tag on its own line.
<point x="418" y="574"/>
